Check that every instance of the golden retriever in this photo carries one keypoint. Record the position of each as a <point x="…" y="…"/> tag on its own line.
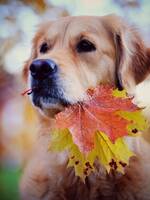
<point x="69" y="56"/>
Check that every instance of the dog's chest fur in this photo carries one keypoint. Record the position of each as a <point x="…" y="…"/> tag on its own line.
<point x="49" y="178"/>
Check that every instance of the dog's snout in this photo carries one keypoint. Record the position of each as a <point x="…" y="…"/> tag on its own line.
<point x="42" y="68"/>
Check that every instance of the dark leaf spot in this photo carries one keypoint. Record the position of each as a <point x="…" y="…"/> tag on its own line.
<point x="85" y="172"/>
<point x="77" y="162"/>
<point x="122" y="164"/>
<point x="113" y="164"/>
<point x="134" y="130"/>
<point x="87" y="164"/>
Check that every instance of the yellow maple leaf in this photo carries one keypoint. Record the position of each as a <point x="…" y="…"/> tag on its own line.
<point x="111" y="155"/>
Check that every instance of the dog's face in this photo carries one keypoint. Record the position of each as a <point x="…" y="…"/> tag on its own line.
<point x="73" y="54"/>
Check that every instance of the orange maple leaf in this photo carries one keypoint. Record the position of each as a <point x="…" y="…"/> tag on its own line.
<point x="98" y="113"/>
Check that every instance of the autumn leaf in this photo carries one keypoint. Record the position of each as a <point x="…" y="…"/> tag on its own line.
<point x="111" y="155"/>
<point x="100" y="112"/>
<point x="93" y="130"/>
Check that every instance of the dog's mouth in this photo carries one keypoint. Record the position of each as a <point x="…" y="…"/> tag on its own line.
<point x="48" y="98"/>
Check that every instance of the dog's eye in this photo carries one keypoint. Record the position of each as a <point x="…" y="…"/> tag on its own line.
<point x="85" y="46"/>
<point x="44" y="48"/>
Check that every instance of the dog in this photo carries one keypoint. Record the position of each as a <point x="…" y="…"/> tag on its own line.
<point x="69" y="56"/>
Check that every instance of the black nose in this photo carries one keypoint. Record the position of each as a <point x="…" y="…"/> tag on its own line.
<point x="42" y="68"/>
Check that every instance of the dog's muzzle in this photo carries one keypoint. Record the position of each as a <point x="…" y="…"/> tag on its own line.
<point x="47" y="91"/>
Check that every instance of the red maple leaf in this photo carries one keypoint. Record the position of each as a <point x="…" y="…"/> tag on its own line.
<point x="99" y="112"/>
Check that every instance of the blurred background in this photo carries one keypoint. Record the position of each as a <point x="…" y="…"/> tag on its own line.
<point x="18" y="21"/>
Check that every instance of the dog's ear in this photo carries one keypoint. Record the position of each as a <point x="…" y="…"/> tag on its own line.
<point x="132" y="56"/>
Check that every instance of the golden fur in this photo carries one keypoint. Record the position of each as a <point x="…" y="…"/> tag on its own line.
<point x="120" y="56"/>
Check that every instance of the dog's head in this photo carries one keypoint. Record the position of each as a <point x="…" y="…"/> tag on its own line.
<point x="73" y="54"/>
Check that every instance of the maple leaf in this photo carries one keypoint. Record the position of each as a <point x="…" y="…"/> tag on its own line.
<point x="111" y="155"/>
<point x="93" y="130"/>
<point x="99" y="113"/>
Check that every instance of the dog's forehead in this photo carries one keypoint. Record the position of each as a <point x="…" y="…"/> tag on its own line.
<point x="74" y="26"/>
